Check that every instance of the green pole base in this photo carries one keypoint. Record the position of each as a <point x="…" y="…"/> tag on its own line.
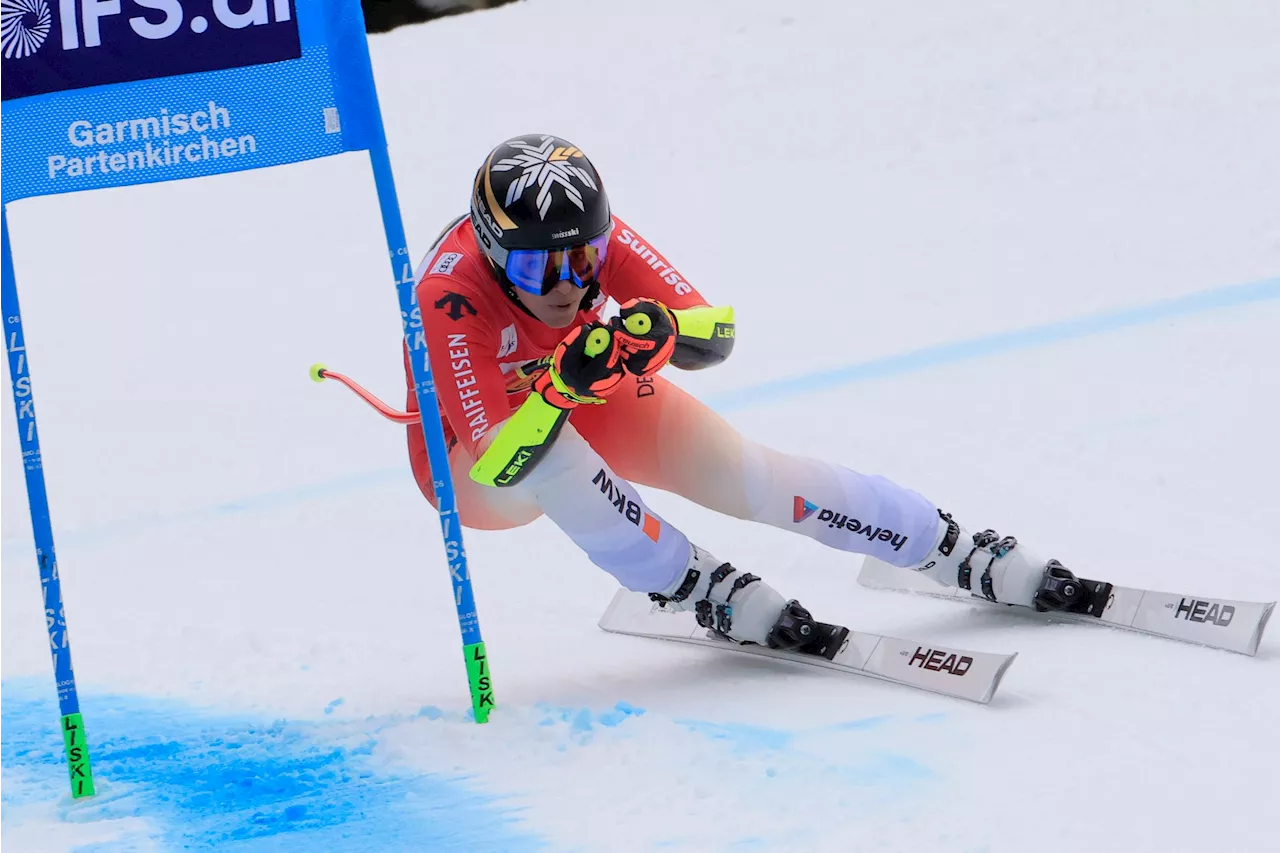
<point x="77" y="749"/>
<point x="480" y="682"/>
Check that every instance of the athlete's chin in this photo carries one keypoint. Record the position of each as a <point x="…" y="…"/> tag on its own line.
<point x="559" y="318"/>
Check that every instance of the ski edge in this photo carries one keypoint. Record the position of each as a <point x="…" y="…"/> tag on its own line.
<point x="878" y="575"/>
<point x="997" y="677"/>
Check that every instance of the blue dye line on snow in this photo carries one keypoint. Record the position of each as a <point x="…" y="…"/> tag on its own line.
<point x="255" y="503"/>
<point x="1032" y="337"/>
<point x="864" y="724"/>
<point x="207" y="781"/>
<point x="738" y="399"/>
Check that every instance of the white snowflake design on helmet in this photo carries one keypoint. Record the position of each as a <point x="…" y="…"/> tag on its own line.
<point x="549" y="166"/>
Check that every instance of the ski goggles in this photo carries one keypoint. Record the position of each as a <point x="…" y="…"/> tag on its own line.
<point x="538" y="271"/>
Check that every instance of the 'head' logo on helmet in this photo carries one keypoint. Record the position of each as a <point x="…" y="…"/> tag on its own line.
<point x="536" y="192"/>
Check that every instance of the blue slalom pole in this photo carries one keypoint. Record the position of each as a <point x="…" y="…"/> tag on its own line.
<point x="73" y="738"/>
<point x="478" y="678"/>
<point x="424" y="387"/>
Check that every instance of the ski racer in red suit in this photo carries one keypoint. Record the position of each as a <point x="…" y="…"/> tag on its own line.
<point x="550" y="409"/>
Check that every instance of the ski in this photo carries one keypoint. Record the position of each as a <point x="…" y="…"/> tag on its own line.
<point x="951" y="672"/>
<point x="1233" y="626"/>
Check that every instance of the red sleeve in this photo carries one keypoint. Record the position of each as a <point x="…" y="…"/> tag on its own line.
<point x="634" y="269"/>
<point x="463" y="346"/>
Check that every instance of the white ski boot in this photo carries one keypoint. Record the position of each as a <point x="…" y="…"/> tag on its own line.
<point x="740" y="607"/>
<point x="1002" y="570"/>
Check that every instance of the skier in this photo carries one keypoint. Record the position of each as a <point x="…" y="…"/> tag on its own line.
<point x="550" y="410"/>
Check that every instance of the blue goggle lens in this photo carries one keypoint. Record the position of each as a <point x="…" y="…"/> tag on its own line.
<point x="538" y="271"/>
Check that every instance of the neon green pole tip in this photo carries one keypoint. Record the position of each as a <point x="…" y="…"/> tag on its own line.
<point x="479" y="680"/>
<point x="77" y="750"/>
<point x="317" y="372"/>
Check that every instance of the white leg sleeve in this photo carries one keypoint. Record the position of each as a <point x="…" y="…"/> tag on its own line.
<point x="839" y="507"/>
<point x="605" y="516"/>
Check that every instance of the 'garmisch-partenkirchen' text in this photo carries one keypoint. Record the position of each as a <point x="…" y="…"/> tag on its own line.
<point x="165" y="141"/>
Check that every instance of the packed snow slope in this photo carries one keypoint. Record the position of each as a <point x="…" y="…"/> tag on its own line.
<point x="1019" y="257"/>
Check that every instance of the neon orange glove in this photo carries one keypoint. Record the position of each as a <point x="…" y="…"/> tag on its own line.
<point x="585" y="368"/>
<point x="645" y="330"/>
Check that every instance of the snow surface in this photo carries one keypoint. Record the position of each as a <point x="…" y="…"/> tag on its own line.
<point x="1019" y="257"/>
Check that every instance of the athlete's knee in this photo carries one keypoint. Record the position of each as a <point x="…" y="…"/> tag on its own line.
<point x="479" y="507"/>
<point x="605" y="516"/>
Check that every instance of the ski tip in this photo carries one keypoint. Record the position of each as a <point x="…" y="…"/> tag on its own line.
<point x="316" y="372"/>
<point x="998" y="678"/>
<point x="1262" y="626"/>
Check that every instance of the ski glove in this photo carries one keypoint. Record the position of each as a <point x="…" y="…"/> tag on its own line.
<point x="651" y="335"/>
<point x="646" y="333"/>
<point x="584" y="368"/>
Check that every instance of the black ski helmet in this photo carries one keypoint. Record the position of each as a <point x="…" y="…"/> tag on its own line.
<point x="537" y="191"/>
